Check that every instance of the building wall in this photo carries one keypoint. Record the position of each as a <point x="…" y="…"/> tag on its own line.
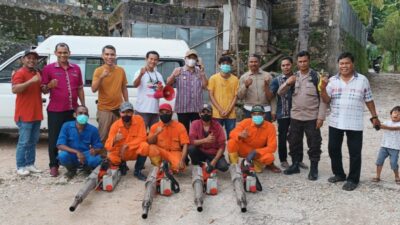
<point x="329" y="35"/>
<point x="22" y="22"/>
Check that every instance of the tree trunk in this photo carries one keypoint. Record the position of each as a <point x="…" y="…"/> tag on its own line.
<point x="234" y="4"/>
<point x="252" y="39"/>
<point x="396" y="66"/>
<point x="304" y="25"/>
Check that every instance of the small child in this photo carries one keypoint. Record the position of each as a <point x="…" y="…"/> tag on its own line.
<point x="390" y="145"/>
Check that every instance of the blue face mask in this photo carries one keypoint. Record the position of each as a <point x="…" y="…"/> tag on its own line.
<point x="258" y="119"/>
<point x="225" y="68"/>
<point x="82" y="119"/>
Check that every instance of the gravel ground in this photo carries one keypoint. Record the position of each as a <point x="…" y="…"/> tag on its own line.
<point x="40" y="199"/>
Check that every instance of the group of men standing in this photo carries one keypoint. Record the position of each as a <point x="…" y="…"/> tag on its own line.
<point x="298" y="101"/>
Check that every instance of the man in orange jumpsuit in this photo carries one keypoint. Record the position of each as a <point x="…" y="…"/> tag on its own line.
<point x="168" y="140"/>
<point x="253" y="139"/>
<point x="127" y="138"/>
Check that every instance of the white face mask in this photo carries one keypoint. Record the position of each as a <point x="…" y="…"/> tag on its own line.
<point x="190" y="62"/>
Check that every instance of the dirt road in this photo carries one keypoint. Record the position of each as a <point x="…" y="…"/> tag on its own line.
<point x="40" y="199"/>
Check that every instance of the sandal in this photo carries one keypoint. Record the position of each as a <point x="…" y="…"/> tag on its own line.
<point x="377" y="179"/>
<point x="273" y="168"/>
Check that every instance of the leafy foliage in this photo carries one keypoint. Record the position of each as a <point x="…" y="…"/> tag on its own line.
<point x="388" y="37"/>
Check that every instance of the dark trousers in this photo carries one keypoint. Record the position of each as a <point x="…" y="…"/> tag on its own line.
<point x="354" y="144"/>
<point x="55" y="120"/>
<point x="149" y="120"/>
<point x="283" y="129"/>
<point x="187" y="118"/>
<point x="296" y="133"/>
<point x="197" y="157"/>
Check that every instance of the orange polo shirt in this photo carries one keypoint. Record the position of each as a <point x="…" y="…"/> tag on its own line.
<point x="110" y="90"/>
<point x="263" y="137"/>
<point x="173" y="136"/>
<point x="133" y="136"/>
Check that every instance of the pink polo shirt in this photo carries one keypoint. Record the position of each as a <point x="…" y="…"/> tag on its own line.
<point x="64" y="97"/>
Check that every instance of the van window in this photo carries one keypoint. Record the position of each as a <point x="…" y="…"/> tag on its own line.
<point x="5" y="74"/>
<point x="131" y="66"/>
<point x="87" y="66"/>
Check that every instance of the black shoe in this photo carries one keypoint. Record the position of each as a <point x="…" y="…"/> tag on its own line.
<point x="335" y="179"/>
<point x="123" y="168"/>
<point x="349" y="186"/>
<point x="139" y="175"/>
<point x="187" y="161"/>
<point x="313" y="175"/>
<point x="294" y="168"/>
<point x="87" y="170"/>
<point x="70" y="174"/>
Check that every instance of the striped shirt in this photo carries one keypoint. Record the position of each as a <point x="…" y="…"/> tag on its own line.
<point x="347" y="101"/>
<point x="189" y="96"/>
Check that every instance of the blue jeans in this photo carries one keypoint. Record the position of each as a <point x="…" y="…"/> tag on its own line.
<point x="68" y="159"/>
<point x="229" y="125"/>
<point x="26" y="148"/>
<point x="384" y="153"/>
<point x="267" y="117"/>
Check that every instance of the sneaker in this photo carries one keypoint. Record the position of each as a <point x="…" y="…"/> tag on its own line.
<point x="285" y="164"/>
<point x="54" y="171"/>
<point x="33" y="169"/>
<point x="70" y="174"/>
<point x="139" y="175"/>
<point x="87" y="170"/>
<point x="303" y="165"/>
<point x="273" y="168"/>
<point x="123" y="168"/>
<point x="23" y="172"/>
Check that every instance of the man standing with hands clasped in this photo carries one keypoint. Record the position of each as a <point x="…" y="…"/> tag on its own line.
<point x="346" y="93"/>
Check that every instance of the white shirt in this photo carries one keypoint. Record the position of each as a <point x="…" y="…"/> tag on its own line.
<point x="391" y="138"/>
<point x="347" y="102"/>
<point x="145" y="102"/>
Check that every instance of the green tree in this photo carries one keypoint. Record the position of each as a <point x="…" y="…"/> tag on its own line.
<point x="388" y="37"/>
<point x="366" y="9"/>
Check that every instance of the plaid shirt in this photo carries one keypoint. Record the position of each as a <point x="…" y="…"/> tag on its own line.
<point x="189" y="96"/>
<point x="284" y="103"/>
<point x="347" y="101"/>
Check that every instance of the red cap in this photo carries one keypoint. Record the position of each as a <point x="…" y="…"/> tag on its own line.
<point x="166" y="106"/>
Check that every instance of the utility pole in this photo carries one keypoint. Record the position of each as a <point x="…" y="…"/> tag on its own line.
<point x="252" y="41"/>
<point x="233" y="6"/>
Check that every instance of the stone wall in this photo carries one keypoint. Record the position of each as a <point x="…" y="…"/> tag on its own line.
<point x="326" y="40"/>
<point x="127" y="13"/>
<point x="21" y="23"/>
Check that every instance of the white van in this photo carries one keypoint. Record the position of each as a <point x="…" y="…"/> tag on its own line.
<point x="86" y="52"/>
